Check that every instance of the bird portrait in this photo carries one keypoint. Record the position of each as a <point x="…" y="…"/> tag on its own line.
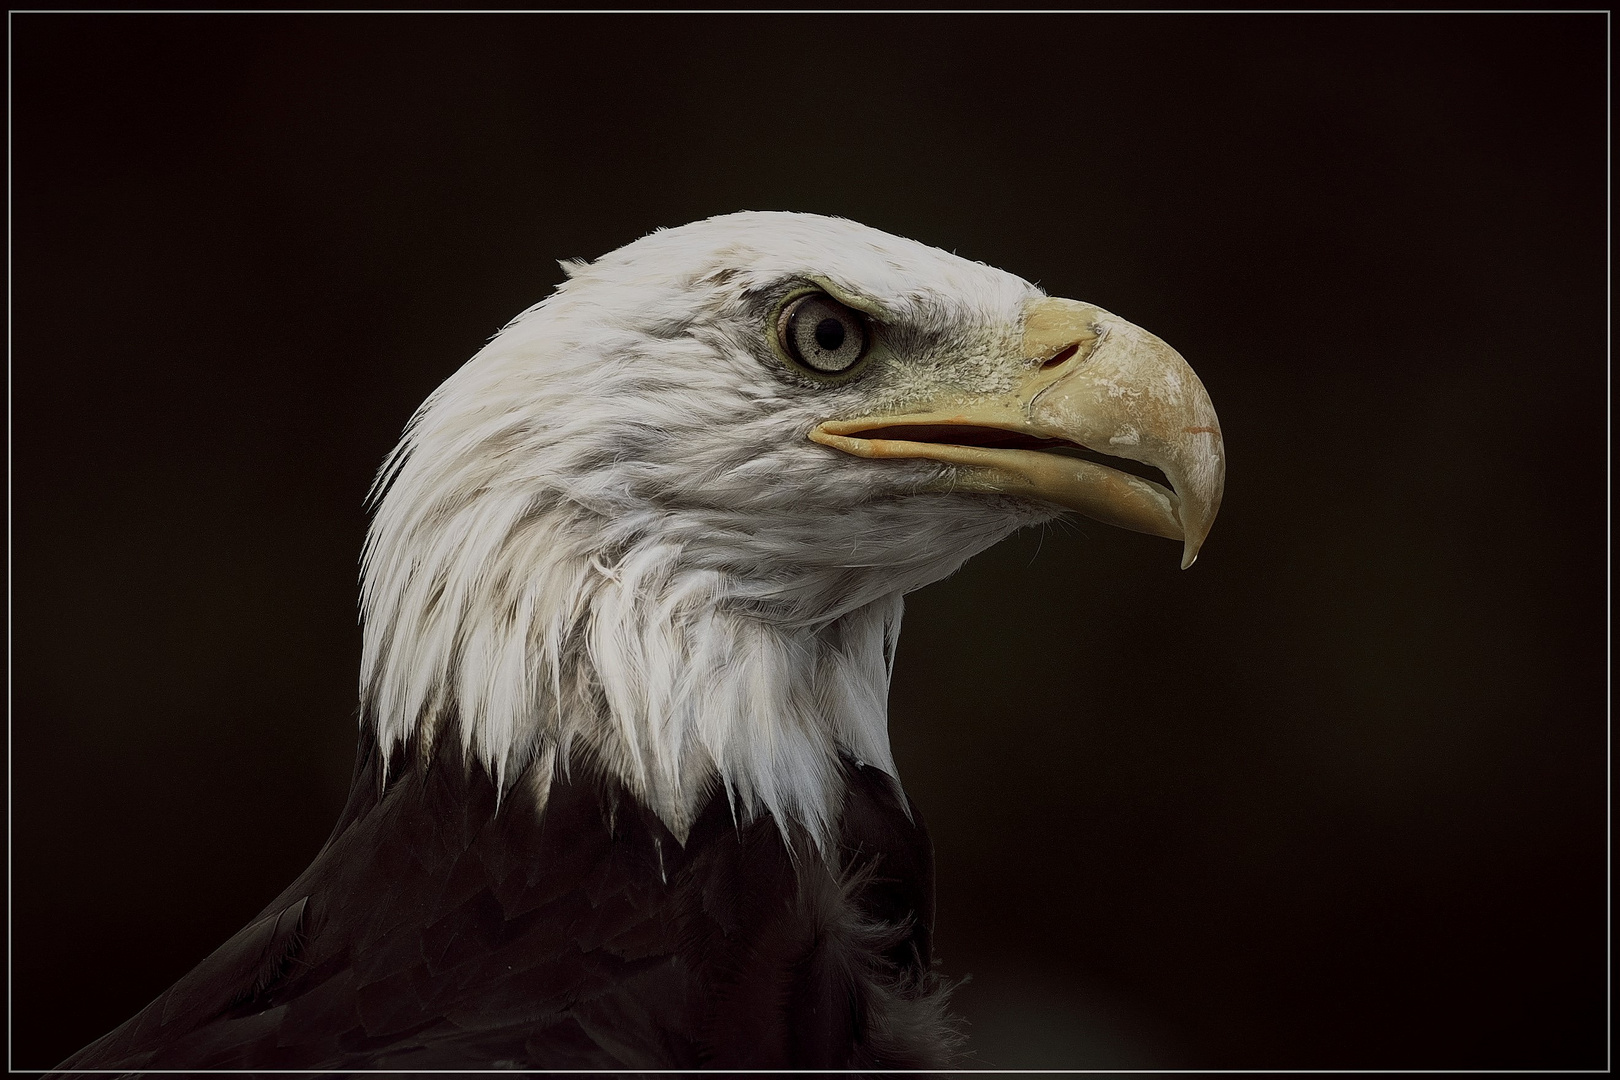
<point x="624" y="796"/>
<point x="622" y="540"/>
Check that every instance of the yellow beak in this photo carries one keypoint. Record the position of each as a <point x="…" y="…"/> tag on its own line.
<point x="1096" y="383"/>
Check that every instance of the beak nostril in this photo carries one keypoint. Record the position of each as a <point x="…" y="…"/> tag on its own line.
<point x="1061" y="356"/>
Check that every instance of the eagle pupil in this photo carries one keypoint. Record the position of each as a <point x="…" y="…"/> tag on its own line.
<point x="830" y="334"/>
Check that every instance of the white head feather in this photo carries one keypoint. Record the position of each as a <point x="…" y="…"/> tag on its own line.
<point x="608" y="532"/>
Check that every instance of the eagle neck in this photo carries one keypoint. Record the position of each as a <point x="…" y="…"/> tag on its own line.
<point x="680" y="678"/>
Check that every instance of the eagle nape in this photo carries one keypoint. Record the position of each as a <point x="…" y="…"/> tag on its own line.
<point x="624" y="796"/>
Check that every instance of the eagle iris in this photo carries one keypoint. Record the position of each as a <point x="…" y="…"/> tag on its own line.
<point x="825" y="336"/>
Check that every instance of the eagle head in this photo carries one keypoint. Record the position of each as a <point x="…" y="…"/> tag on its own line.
<point x="662" y="524"/>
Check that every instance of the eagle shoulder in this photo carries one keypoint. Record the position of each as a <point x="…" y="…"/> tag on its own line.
<point x="441" y="927"/>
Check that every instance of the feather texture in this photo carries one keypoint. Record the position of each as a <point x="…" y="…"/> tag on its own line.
<point x="434" y="931"/>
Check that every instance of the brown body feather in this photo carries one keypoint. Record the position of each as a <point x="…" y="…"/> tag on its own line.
<point x="437" y="930"/>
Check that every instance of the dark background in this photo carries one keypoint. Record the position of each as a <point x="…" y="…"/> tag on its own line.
<point x="1335" y="797"/>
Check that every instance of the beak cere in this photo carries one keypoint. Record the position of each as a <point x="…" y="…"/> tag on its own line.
<point x="1096" y="383"/>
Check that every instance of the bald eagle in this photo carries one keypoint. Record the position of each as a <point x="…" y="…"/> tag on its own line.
<point x="631" y="594"/>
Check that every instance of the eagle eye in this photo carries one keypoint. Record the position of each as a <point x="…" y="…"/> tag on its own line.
<point x="822" y="334"/>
